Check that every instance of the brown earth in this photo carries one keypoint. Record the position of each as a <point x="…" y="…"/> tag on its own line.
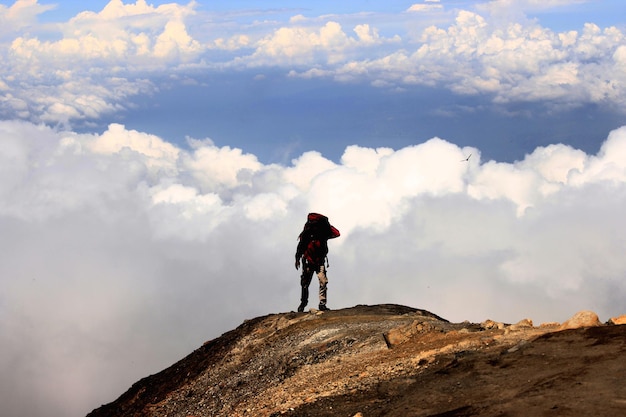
<point x="390" y="360"/>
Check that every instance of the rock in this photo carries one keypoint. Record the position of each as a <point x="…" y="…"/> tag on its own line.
<point x="550" y="325"/>
<point x="517" y="347"/>
<point x="402" y="334"/>
<point x="522" y="324"/>
<point x="397" y="336"/>
<point x="618" y="320"/>
<point x="490" y="324"/>
<point x="583" y="318"/>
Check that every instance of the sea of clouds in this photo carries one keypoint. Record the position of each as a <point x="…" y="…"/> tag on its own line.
<point x="122" y="253"/>
<point x="92" y="64"/>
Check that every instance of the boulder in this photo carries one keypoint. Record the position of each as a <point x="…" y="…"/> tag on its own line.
<point x="618" y="320"/>
<point x="583" y="318"/>
<point x="404" y="333"/>
<point x="522" y="324"/>
<point x="490" y="325"/>
<point x="550" y="325"/>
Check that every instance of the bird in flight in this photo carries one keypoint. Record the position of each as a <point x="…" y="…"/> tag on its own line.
<point x="466" y="159"/>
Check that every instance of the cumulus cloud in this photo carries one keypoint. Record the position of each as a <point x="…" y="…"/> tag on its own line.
<point x="95" y="63"/>
<point x="22" y="14"/>
<point x="511" y="61"/>
<point x="122" y="252"/>
<point x="306" y="45"/>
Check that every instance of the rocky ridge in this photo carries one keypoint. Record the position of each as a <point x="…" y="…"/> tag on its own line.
<point x="392" y="360"/>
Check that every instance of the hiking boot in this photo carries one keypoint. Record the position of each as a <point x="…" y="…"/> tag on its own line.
<point x="301" y="307"/>
<point x="323" y="307"/>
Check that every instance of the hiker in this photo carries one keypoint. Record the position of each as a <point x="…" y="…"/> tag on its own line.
<point x="312" y="251"/>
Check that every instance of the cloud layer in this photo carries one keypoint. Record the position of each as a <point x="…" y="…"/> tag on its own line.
<point x="123" y="252"/>
<point x="96" y="62"/>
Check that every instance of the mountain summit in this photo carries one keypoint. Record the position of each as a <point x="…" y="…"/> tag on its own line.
<point x="391" y="360"/>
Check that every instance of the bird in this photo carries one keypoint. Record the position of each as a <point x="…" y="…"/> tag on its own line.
<point x="466" y="159"/>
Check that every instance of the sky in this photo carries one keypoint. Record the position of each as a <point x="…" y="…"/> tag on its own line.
<point x="158" y="160"/>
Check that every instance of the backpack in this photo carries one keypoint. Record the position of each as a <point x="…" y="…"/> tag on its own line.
<point x="312" y="240"/>
<point x="317" y="227"/>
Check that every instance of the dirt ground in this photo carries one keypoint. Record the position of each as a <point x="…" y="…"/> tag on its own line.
<point x="389" y="360"/>
<point x="578" y="372"/>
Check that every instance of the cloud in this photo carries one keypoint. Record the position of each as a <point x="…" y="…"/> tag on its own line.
<point x="22" y="14"/>
<point x="119" y="34"/>
<point x="510" y="61"/>
<point x="92" y="63"/>
<point x="528" y="5"/>
<point x="96" y="63"/>
<point x="306" y="45"/>
<point x="425" y="7"/>
<point x="122" y="252"/>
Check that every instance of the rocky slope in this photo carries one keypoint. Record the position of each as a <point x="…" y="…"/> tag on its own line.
<point x="390" y="360"/>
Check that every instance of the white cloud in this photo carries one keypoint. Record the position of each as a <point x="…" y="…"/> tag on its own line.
<point x="119" y="34"/>
<point x="117" y="138"/>
<point x="95" y="62"/>
<point x="509" y="60"/>
<point x="92" y="65"/>
<point x="213" y="168"/>
<point x="307" y="45"/>
<point x="175" y="41"/>
<point x="424" y="7"/>
<point x="233" y="43"/>
<point x="21" y="14"/>
<point x="120" y="244"/>
<point x="608" y="165"/>
<point x="366" y="34"/>
<point x="528" y="5"/>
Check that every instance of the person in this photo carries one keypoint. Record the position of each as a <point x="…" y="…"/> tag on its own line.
<point x="312" y="251"/>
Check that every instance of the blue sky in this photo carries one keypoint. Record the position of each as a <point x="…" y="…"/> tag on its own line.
<point x="158" y="159"/>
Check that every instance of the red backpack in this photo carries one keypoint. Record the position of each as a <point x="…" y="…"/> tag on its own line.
<point x="317" y="230"/>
